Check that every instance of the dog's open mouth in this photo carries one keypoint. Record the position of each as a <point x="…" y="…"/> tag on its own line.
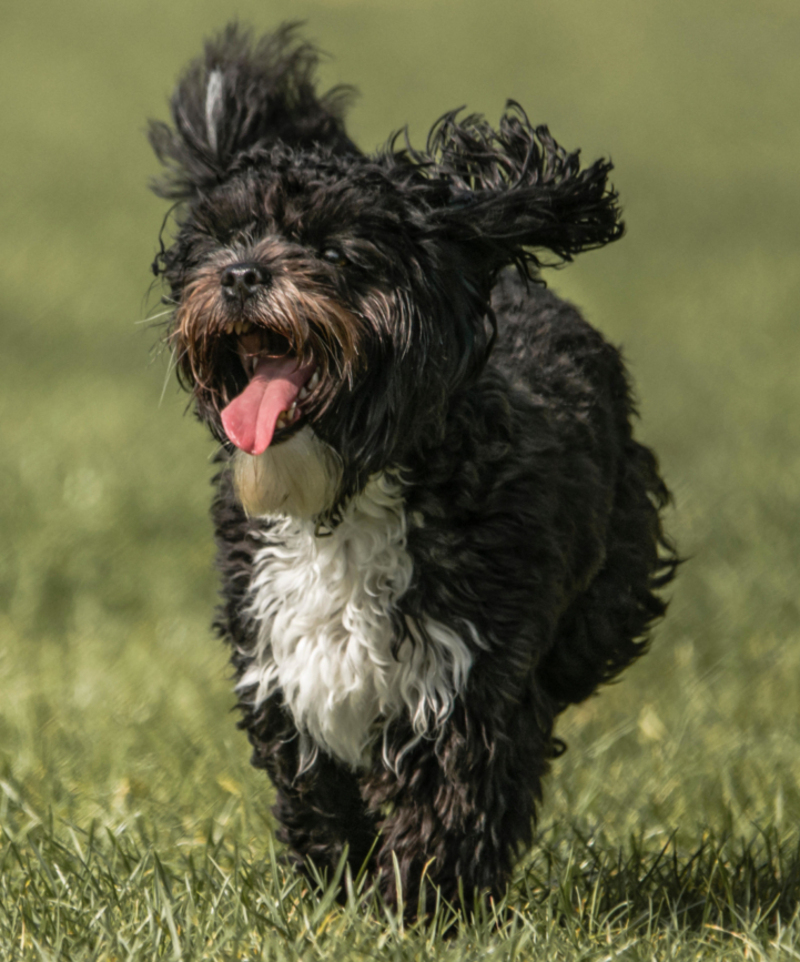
<point x="279" y="383"/>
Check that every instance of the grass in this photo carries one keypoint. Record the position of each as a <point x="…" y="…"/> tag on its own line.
<point x="105" y="893"/>
<point x="131" y="825"/>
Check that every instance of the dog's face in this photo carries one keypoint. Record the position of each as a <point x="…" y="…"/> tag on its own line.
<point x="313" y="293"/>
<point x="328" y="305"/>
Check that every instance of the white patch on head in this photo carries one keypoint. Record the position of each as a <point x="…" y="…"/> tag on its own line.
<point x="214" y="106"/>
<point x="324" y="604"/>
<point x="298" y="477"/>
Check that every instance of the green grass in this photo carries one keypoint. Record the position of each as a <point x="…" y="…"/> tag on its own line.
<point x="131" y="825"/>
<point x="103" y="892"/>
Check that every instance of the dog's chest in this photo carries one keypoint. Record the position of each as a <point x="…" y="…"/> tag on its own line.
<point x="329" y="637"/>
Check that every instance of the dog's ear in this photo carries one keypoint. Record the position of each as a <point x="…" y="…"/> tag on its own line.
<point x="241" y="96"/>
<point x="514" y="191"/>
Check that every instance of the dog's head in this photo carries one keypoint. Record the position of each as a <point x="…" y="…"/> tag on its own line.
<point x="329" y="305"/>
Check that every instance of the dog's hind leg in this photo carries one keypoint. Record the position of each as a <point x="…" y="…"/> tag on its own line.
<point x="606" y="627"/>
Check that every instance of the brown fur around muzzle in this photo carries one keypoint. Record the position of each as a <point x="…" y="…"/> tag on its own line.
<point x="296" y="314"/>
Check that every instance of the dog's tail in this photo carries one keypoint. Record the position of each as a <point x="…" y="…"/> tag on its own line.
<point x="242" y="97"/>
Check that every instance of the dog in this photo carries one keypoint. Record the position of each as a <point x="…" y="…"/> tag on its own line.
<point x="435" y="530"/>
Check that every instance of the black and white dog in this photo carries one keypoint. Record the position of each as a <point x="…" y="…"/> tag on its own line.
<point x="435" y="529"/>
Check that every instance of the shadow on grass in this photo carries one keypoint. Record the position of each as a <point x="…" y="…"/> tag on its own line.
<point x="723" y="882"/>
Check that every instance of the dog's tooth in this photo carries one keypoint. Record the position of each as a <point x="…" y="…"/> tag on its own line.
<point x="314" y="380"/>
<point x="238" y="327"/>
<point x="228" y="329"/>
<point x="303" y="393"/>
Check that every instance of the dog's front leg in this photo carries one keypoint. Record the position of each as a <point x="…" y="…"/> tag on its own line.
<point x="318" y="805"/>
<point x="460" y="806"/>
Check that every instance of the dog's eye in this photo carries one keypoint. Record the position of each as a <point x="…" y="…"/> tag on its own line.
<point x="334" y="256"/>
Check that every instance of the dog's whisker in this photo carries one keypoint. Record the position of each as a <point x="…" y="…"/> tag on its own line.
<point x="171" y="365"/>
<point x="154" y="317"/>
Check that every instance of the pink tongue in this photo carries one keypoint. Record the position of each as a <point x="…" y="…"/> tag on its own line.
<point x="250" y="419"/>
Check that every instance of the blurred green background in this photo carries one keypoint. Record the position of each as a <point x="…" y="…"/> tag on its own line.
<point x="114" y="696"/>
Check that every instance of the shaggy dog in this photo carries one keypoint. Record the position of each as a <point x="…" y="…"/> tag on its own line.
<point x="435" y="529"/>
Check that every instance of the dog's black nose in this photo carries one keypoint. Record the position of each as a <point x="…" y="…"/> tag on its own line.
<point x="240" y="281"/>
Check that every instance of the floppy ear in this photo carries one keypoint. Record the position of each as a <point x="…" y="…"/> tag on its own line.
<point x="515" y="190"/>
<point x="244" y="95"/>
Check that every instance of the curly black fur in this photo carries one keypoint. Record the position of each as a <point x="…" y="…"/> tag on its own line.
<point x="536" y="536"/>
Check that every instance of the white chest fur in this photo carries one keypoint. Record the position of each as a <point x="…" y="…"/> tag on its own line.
<point x="325" y="629"/>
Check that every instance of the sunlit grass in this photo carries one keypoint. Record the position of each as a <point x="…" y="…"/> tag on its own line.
<point x="119" y="891"/>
